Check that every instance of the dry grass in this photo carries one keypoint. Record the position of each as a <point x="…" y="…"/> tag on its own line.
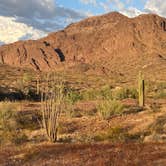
<point x="84" y="125"/>
<point x="85" y="154"/>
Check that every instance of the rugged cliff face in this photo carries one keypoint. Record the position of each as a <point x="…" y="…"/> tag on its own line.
<point x="112" y="42"/>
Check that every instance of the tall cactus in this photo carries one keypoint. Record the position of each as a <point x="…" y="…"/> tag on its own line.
<point x="141" y="90"/>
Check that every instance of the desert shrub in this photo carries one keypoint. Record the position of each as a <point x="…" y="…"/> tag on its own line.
<point x="124" y="93"/>
<point x="160" y="94"/>
<point x="94" y="94"/>
<point x="106" y="92"/>
<point x="9" y="131"/>
<point x="30" y="120"/>
<point x="108" y="108"/>
<point x="158" y="125"/>
<point x="117" y="134"/>
<point x="19" y="138"/>
<point x="75" y="113"/>
<point x="114" y="134"/>
<point x="160" y="90"/>
<point x="7" y="115"/>
<point x="73" y="96"/>
<point x="90" y="94"/>
<point x="70" y="111"/>
<point x="69" y="108"/>
<point x="156" y="90"/>
<point x="149" y="86"/>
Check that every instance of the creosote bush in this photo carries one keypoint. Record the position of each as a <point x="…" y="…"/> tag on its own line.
<point x="109" y="108"/>
<point x="107" y="92"/>
<point x="160" y="91"/>
<point x="73" y="96"/>
<point x="124" y="93"/>
<point x="94" y="94"/>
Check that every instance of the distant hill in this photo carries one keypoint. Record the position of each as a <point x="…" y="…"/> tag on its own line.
<point x="108" y="43"/>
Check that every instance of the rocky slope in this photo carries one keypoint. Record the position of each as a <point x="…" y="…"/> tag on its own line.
<point x="111" y="42"/>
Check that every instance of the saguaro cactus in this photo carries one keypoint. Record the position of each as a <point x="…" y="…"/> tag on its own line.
<point x="141" y="90"/>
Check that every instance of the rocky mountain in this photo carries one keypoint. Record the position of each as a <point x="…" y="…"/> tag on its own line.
<point x="110" y="42"/>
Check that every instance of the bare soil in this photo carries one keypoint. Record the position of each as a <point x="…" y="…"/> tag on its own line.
<point x="83" y="154"/>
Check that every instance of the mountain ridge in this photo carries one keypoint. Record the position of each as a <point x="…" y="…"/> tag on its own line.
<point x="111" y="41"/>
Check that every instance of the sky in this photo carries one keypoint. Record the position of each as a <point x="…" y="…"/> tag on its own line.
<point x="33" y="19"/>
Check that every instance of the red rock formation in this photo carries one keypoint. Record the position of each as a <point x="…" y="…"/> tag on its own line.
<point x="111" y="40"/>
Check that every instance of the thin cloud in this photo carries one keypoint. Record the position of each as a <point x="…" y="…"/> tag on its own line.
<point x="118" y="5"/>
<point x="87" y="2"/>
<point x="158" y="7"/>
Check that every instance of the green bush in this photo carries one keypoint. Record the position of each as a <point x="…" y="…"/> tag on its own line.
<point x="90" y="94"/>
<point x="106" y="93"/>
<point x="73" y="96"/>
<point x="124" y="93"/>
<point x="70" y="99"/>
<point x="94" y="94"/>
<point x="108" y="108"/>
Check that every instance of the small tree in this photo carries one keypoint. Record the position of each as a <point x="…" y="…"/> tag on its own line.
<point x="52" y="99"/>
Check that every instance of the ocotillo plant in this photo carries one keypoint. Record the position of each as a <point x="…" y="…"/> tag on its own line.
<point x="52" y="104"/>
<point x="141" y="90"/>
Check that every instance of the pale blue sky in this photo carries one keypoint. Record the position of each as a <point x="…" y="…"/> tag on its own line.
<point x="98" y="8"/>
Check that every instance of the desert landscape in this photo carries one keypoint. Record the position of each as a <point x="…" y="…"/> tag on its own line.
<point x="93" y="93"/>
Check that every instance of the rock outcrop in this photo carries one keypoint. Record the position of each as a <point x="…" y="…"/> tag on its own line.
<point x="111" y="42"/>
